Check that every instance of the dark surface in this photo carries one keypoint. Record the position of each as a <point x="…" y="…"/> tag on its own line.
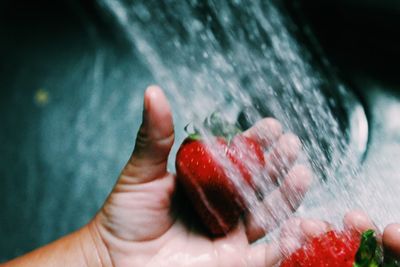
<point x="357" y="36"/>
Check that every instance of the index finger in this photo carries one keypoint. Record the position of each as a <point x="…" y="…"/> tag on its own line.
<point x="265" y="132"/>
<point x="359" y="221"/>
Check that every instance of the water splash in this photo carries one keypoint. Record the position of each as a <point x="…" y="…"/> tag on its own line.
<point x="241" y="58"/>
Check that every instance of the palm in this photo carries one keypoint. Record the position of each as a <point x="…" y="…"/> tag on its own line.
<point x="187" y="248"/>
<point x="176" y="243"/>
<point x="138" y="222"/>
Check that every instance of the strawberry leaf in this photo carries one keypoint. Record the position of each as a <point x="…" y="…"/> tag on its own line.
<point x="216" y="125"/>
<point x="219" y="126"/>
<point x="193" y="134"/>
<point x="369" y="253"/>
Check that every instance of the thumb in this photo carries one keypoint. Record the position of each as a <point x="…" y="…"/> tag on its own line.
<point x="154" y="139"/>
<point x="138" y="208"/>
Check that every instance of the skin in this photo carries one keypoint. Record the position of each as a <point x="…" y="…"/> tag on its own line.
<point x="296" y="231"/>
<point x="390" y="236"/>
<point x="137" y="225"/>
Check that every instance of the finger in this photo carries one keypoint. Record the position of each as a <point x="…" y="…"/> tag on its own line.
<point x="280" y="204"/>
<point x="265" y="132"/>
<point x="296" y="231"/>
<point x="264" y="255"/>
<point x="282" y="157"/>
<point x="291" y="235"/>
<point x="291" y="228"/>
<point x="359" y="221"/>
<point x="139" y="199"/>
<point x="391" y="240"/>
<point x="229" y="249"/>
<point x="154" y="139"/>
<point x="312" y="228"/>
<point x="302" y="229"/>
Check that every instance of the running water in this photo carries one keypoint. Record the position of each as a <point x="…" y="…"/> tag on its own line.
<point x="241" y="58"/>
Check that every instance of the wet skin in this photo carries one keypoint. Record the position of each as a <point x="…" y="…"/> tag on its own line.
<point x="137" y="225"/>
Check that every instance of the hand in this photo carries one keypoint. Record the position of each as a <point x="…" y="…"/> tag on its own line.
<point x="137" y="225"/>
<point x="391" y="234"/>
<point x="296" y="231"/>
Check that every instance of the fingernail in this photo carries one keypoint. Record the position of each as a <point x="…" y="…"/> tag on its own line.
<point x="313" y="227"/>
<point x="159" y="117"/>
<point x="294" y="143"/>
<point x="360" y="221"/>
<point x="147" y="100"/>
<point x="147" y="103"/>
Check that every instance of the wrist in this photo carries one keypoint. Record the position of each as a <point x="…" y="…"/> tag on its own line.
<point x="94" y="250"/>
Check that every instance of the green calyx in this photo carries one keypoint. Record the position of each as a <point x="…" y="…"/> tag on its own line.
<point x="217" y="126"/>
<point x="369" y="253"/>
<point x="194" y="135"/>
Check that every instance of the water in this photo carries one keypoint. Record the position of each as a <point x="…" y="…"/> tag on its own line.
<point x="230" y="55"/>
<point x="242" y="58"/>
<point x="67" y="96"/>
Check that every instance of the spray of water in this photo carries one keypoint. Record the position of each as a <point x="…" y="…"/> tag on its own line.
<point x="241" y="58"/>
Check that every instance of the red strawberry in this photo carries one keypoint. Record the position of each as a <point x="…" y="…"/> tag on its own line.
<point x="209" y="185"/>
<point x="338" y="249"/>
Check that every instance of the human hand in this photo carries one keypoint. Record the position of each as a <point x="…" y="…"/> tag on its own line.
<point x="328" y="250"/>
<point x="137" y="225"/>
<point x="391" y="235"/>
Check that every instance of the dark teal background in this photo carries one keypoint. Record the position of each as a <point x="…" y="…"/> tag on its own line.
<point x="59" y="158"/>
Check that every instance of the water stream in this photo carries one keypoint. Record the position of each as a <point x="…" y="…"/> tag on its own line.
<point x="72" y="98"/>
<point x="243" y="59"/>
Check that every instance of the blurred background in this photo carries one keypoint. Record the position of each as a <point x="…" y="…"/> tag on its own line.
<point x="71" y="87"/>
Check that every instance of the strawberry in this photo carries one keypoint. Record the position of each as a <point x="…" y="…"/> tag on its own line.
<point x="209" y="185"/>
<point x="338" y="249"/>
